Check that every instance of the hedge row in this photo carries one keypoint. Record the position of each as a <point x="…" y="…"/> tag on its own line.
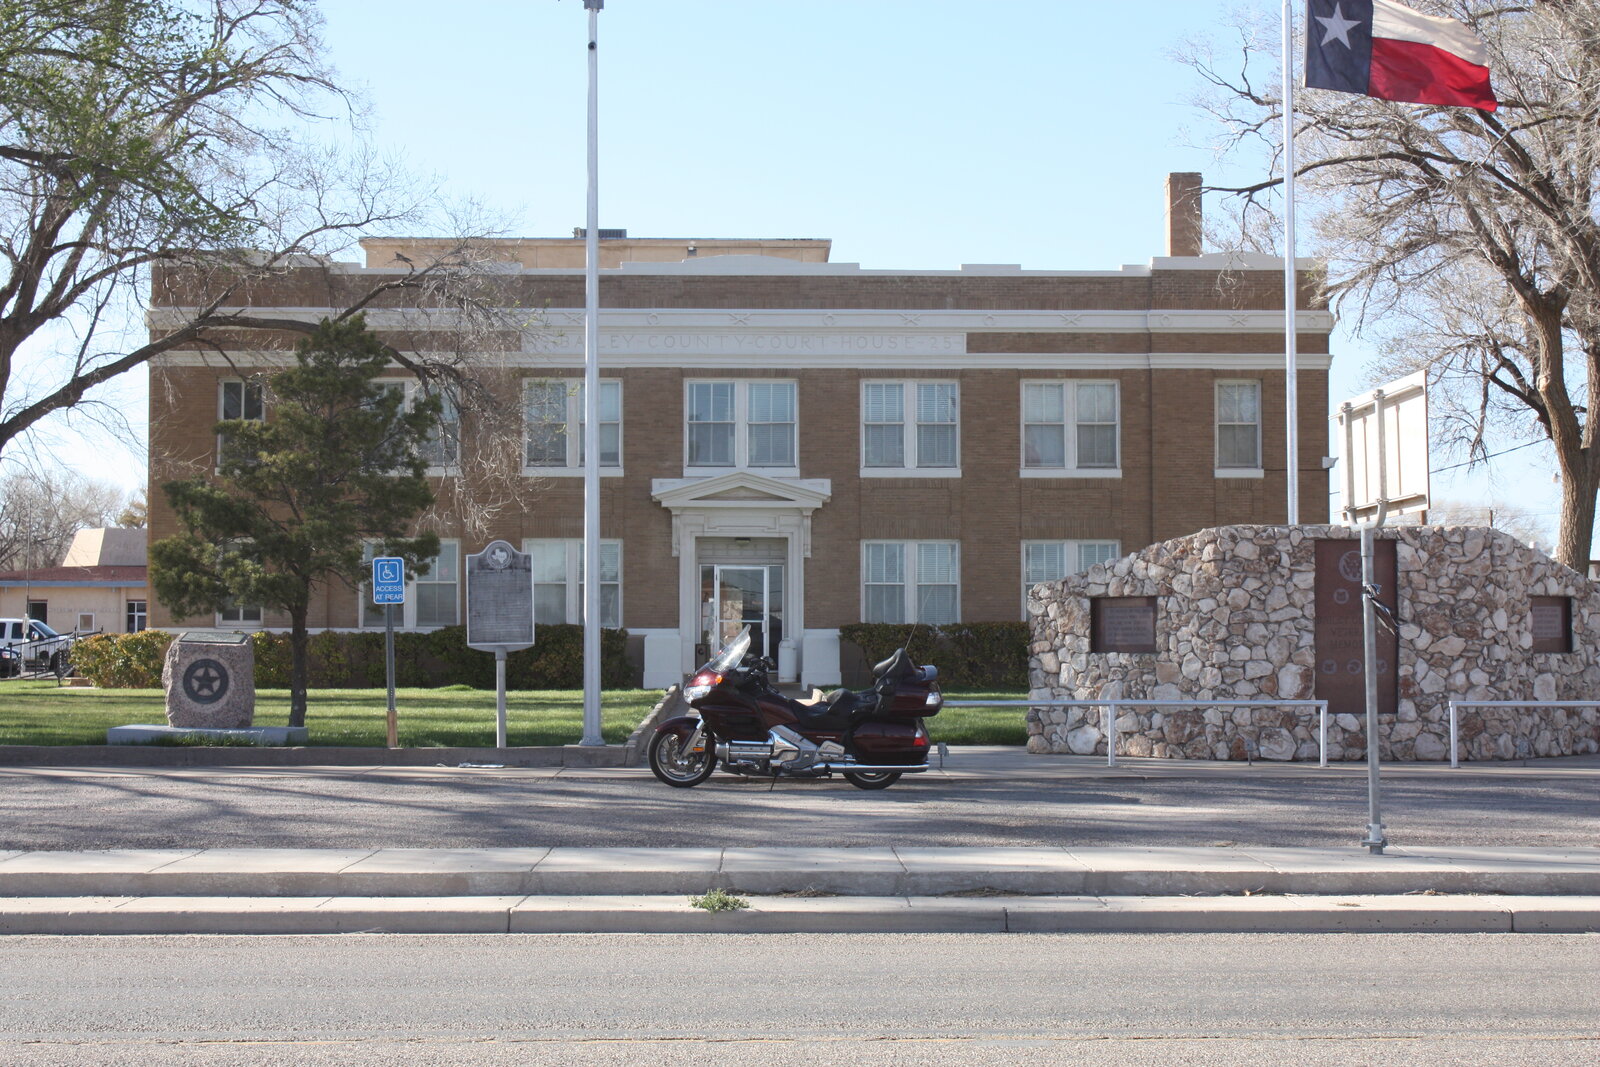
<point x="969" y="655"/>
<point x="355" y="660"/>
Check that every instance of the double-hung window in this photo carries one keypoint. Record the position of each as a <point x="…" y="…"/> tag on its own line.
<point x="910" y="581"/>
<point x="553" y="437"/>
<point x="740" y="424"/>
<point x="432" y="599"/>
<point x="442" y="449"/>
<point x="239" y="399"/>
<point x="1049" y="561"/>
<point x="1238" y="429"/>
<point x="1071" y="428"/>
<point x="558" y="581"/>
<point x="910" y="428"/>
<point x="138" y="616"/>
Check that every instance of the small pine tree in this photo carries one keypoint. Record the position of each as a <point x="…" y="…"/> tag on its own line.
<point x="338" y="463"/>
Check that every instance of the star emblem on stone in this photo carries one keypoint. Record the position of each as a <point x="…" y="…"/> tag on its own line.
<point x="1337" y="26"/>
<point x="206" y="680"/>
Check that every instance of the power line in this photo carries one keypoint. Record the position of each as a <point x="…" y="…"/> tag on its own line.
<point x="1493" y="455"/>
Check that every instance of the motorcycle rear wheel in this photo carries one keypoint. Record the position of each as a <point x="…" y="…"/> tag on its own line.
<point x="679" y="769"/>
<point x="872" y="779"/>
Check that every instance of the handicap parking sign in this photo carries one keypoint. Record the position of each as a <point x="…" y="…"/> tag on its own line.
<point x="388" y="580"/>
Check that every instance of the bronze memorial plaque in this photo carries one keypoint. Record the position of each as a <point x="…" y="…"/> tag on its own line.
<point x="1122" y="624"/>
<point x="1552" y="623"/>
<point x="1341" y="662"/>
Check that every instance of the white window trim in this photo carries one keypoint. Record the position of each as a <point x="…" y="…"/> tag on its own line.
<point x="911" y="582"/>
<point x="1072" y="545"/>
<point x="81" y="628"/>
<point x="908" y="430"/>
<point x="1216" y="430"/>
<point x="411" y="387"/>
<point x="406" y="618"/>
<point x="741" y="428"/>
<point x="572" y="468"/>
<point x="573" y="612"/>
<point x="1069" y="410"/>
<point x="244" y="624"/>
<point x="143" y="614"/>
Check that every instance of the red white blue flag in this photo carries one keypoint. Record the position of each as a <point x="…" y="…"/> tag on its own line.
<point x="1384" y="49"/>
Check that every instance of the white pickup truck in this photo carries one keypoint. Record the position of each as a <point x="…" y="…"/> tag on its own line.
<point x="41" y="648"/>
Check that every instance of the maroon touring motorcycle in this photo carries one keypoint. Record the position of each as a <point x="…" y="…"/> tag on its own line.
<point x="871" y="736"/>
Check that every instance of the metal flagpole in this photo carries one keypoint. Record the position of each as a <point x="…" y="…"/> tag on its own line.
<point x="1291" y="383"/>
<point x="591" y="403"/>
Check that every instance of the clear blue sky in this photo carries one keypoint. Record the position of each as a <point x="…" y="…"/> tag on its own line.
<point x="914" y="133"/>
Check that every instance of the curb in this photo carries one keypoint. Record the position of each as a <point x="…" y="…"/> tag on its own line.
<point x="815" y="915"/>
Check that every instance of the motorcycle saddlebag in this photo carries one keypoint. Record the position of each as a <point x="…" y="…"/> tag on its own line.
<point x="890" y="742"/>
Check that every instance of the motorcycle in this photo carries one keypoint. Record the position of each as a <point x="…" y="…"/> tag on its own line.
<point x="871" y="736"/>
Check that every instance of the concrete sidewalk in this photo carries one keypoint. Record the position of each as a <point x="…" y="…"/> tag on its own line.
<point x="799" y="889"/>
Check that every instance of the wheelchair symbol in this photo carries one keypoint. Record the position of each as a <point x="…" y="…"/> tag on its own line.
<point x="389" y="573"/>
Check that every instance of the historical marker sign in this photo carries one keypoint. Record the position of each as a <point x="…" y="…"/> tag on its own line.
<point x="1340" y="646"/>
<point x="499" y="599"/>
<point x="1122" y="624"/>
<point x="1551" y="617"/>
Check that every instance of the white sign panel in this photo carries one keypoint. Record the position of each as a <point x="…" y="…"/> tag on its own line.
<point x="1384" y="442"/>
<point x="499" y="599"/>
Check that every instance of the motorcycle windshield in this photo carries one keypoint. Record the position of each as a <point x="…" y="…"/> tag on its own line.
<point x="731" y="654"/>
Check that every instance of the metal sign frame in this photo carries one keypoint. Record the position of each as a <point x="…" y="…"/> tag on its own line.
<point x="386" y="588"/>
<point x="1385" y="450"/>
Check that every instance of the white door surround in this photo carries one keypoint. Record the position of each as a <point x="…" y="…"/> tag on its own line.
<point x="738" y="504"/>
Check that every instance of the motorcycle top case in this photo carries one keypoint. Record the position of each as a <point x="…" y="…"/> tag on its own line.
<point x="911" y="701"/>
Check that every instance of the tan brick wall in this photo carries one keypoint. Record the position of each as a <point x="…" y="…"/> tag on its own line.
<point x="1167" y="488"/>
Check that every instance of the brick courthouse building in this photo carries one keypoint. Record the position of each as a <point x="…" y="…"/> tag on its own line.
<point x="802" y="444"/>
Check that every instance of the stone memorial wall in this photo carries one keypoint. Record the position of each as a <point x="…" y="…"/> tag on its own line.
<point x="1481" y="616"/>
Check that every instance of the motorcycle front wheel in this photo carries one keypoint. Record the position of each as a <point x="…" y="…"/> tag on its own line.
<point x="676" y="767"/>
<point x="872" y="779"/>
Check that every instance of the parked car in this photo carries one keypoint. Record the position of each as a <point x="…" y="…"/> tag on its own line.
<point x="10" y="663"/>
<point x="41" y="647"/>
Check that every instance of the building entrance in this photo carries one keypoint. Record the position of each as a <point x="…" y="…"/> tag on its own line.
<point x="748" y="591"/>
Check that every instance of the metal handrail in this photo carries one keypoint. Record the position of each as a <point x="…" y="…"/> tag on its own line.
<point x="1455" y="725"/>
<point x="1108" y="720"/>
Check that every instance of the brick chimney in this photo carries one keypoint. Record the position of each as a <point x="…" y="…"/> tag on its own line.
<point x="1183" y="214"/>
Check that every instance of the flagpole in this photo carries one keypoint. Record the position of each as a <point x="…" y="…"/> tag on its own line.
<point x="591" y="403"/>
<point x="1290" y="288"/>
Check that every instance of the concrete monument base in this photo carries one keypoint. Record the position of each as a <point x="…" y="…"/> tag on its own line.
<point x="195" y="735"/>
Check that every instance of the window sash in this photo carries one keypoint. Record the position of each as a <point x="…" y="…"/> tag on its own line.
<point x="553" y="417"/>
<point x="137" y="617"/>
<point x="558" y="585"/>
<point x="1050" y="561"/>
<point x="432" y="599"/>
<point x="928" y="439"/>
<point x="906" y="581"/>
<point x="1083" y="414"/>
<point x="1239" y="425"/>
<point x="741" y="424"/>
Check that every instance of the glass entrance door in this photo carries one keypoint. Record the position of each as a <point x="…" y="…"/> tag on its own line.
<point x="734" y="596"/>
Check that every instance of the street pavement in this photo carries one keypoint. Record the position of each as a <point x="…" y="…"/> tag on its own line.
<point x="983" y="797"/>
<point x="862" y="1000"/>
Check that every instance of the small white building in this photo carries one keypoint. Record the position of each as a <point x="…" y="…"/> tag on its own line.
<point x="102" y="584"/>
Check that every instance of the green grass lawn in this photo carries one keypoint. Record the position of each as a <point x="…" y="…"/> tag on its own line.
<point x="39" y="713"/>
<point x="980" y="726"/>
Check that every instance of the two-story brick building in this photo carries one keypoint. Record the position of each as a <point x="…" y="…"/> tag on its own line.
<point x="802" y="444"/>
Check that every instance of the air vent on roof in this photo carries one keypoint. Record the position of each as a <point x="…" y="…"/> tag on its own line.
<point x="605" y="234"/>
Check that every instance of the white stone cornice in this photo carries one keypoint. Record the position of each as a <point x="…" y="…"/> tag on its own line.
<point x="741" y="504"/>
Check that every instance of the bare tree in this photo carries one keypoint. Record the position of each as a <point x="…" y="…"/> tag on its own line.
<point x="1466" y="241"/>
<point x="41" y="510"/>
<point x="154" y="145"/>
<point x="1519" y="522"/>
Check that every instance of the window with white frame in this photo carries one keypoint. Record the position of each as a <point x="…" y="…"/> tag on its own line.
<point x="910" y="581"/>
<point x="558" y="581"/>
<point x="1049" y="561"/>
<point x="238" y="399"/>
<point x="442" y="448"/>
<point x="1239" y="426"/>
<point x="1071" y="426"/>
<point x="552" y="417"/>
<point x="432" y="599"/>
<point x="910" y="426"/>
<point x="236" y="614"/>
<point x="740" y="424"/>
<point x="138" y="616"/>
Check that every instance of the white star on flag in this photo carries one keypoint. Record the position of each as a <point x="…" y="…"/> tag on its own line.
<point x="1338" y="26"/>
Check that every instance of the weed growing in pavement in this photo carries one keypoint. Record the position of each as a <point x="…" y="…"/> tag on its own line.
<point x="718" y="900"/>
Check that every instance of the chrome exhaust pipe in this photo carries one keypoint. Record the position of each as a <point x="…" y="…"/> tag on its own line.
<point x="874" y="768"/>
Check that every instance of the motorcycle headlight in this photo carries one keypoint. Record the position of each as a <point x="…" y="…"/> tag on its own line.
<point x="695" y="692"/>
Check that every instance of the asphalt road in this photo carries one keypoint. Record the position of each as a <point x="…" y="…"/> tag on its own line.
<point x="463" y="808"/>
<point x="788" y="1000"/>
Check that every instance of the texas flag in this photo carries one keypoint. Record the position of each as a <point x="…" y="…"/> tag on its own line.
<point x="1384" y="49"/>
